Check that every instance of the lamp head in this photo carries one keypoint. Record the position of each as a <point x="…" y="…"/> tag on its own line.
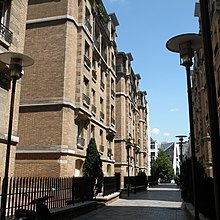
<point x="16" y="61"/>
<point x="181" y="137"/>
<point x="185" y="45"/>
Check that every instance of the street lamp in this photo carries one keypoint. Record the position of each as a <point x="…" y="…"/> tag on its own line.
<point x="136" y="151"/>
<point x="186" y="45"/>
<point x="128" y="147"/>
<point x="15" y="61"/>
<point x="181" y="138"/>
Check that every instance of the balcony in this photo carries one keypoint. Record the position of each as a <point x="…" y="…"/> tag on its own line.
<point x="87" y="61"/>
<point x="80" y="142"/>
<point x="86" y="100"/>
<point x="6" y="34"/>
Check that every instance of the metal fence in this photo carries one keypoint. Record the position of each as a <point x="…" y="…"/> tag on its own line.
<point x="135" y="181"/>
<point x="21" y="191"/>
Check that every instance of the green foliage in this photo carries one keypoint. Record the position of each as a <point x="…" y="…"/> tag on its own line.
<point x="102" y="12"/>
<point x="162" y="168"/>
<point x="92" y="167"/>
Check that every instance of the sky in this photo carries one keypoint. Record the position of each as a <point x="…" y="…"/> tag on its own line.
<point x="144" y="28"/>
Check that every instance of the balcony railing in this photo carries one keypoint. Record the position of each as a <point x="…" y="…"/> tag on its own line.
<point x="6" y="34"/>
<point x="86" y="99"/>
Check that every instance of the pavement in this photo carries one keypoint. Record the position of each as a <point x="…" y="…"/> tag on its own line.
<point x="160" y="202"/>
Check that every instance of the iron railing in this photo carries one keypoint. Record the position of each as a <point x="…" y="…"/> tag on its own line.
<point x="5" y="33"/>
<point x="65" y="191"/>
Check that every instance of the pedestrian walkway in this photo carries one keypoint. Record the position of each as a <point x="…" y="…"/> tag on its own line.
<point x="162" y="202"/>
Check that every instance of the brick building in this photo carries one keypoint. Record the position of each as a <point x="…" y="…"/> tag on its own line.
<point x="132" y="139"/>
<point x="69" y="95"/>
<point x="12" y="34"/>
<point x="199" y="92"/>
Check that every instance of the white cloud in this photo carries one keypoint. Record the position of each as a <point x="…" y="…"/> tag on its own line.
<point x="174" y="110"/>
<point x="166" y="134"/>
<point x="155" y="131"/>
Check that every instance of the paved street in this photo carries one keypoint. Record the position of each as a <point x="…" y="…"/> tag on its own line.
<point x="161" y="202"/>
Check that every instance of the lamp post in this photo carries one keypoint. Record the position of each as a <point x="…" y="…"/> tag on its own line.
<point x="186" y="45"/>
<point x="128" y="147"/>
<point x="136" y="151"/>
<point x="128" y="160"/>
<point x="212" y="101"/>
<point x="15" y="61"/>
<point x="181" y="138"/>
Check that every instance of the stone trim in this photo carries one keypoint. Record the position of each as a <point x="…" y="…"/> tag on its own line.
<point x="54" y="18"/>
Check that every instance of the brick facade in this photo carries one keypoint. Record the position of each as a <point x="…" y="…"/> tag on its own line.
<point x="14" y="19"/>
<point x="69" y="95"/>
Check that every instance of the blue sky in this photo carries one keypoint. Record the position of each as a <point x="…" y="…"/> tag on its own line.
<point x="144" y="28"/>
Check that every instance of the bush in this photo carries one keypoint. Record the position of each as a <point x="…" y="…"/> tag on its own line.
<point x="204" y="187"/>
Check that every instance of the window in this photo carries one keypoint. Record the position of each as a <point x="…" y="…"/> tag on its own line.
<point x="87" y="20"/>
<point x="101" y="110"/>
<point x="5" y="33"/>
<point x="87" y="57"/>
<point x="80" y="129"/>
<point x="78" y="168"/>
<point x="3" y="12"/>
<point x="112" y="88"/>
<point x="80" y="136"/>
<point x="101" y="104"/>
<point x="86" y="86"/>
<point x="102" y="84"/>
<point x="92" y="131"/>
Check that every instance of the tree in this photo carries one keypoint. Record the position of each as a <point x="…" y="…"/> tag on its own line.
<point x="162" y="168"/>
<point x="92" y="167"/>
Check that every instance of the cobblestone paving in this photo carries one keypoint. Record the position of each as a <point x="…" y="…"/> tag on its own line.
<point x="161" y="202"/>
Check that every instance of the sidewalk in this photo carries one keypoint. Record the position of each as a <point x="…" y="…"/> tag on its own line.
<point x="160" y="202"/>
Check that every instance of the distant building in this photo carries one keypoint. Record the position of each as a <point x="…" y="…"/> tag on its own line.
<point x="132" y="136"/>
<point x="152" y="152"/>
<point x="173" y="152"/>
